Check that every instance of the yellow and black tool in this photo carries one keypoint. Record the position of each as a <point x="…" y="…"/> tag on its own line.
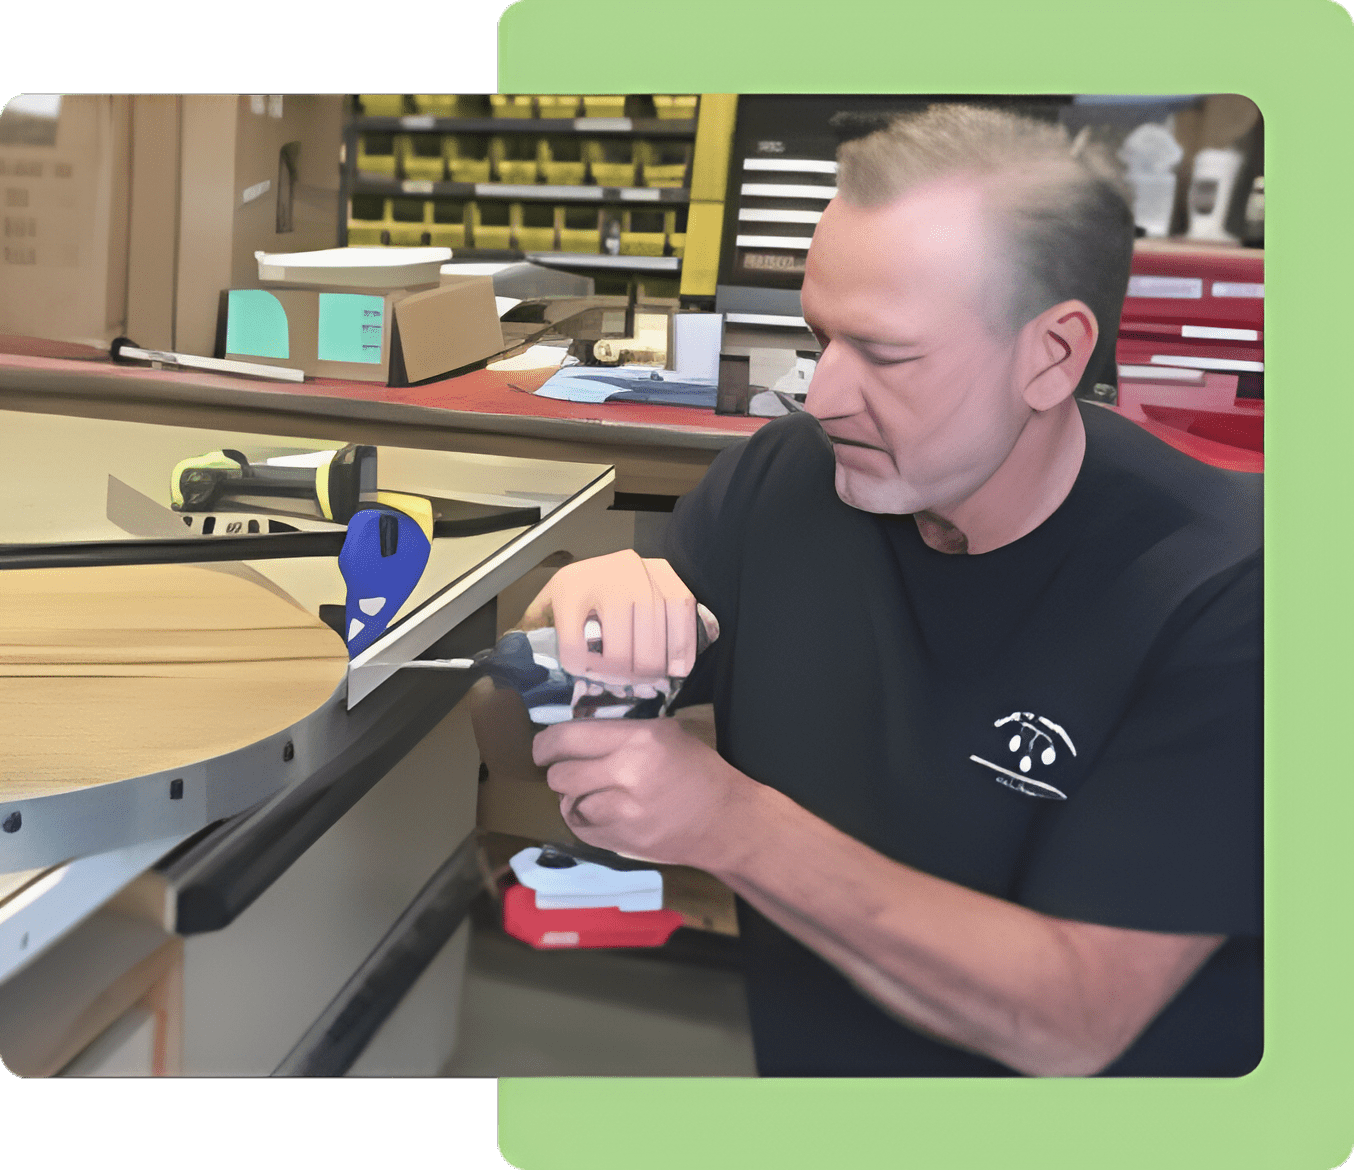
<point x="332" y="482"/>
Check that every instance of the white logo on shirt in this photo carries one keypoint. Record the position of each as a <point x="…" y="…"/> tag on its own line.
<point x="1030" y="741"/>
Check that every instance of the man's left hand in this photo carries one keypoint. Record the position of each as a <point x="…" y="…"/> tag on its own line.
<point x="646" y="788"/>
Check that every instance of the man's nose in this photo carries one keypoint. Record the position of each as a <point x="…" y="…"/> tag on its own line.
<point x="834" y="390"/>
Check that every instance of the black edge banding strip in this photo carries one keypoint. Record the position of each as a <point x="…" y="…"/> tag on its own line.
<point x="220" y="877"/>
<point x="495" y="522"/>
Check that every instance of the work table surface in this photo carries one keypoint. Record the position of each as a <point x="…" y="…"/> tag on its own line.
<point x="657" y="450"/>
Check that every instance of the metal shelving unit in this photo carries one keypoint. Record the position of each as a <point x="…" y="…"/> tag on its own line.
<point x="365" y="184"/>
<point x="636" y="127"/>
<point x="455" y="209"/>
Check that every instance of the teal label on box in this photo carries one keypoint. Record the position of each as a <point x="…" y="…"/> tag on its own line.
<point x="256" y="324"/>
<point x="350" y="329"/>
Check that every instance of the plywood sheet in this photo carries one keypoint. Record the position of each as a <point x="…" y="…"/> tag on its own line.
<point x="110" y="673"/>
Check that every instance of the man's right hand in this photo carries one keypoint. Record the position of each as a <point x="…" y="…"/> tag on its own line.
<point x="647" y="619"/>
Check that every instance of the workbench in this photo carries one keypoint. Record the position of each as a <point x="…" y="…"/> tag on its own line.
<point x="656" y="450"/>
<point x="273" y="881"/>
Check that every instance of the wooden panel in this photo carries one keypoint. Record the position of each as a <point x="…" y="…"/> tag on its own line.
<point x="109" y="673"/>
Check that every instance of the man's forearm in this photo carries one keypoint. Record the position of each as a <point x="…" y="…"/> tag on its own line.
<point x="1034" y="992"/>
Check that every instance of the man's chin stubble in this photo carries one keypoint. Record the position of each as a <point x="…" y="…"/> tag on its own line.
<point x="939" y="534"/>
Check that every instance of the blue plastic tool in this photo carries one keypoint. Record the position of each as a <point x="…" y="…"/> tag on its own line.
<point x="383" y="557"/>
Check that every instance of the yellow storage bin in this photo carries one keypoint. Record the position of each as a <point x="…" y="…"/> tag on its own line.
<point x="664" y="163"/>
<point x="514" y="158"/>
<point x="408" y="221"/>
<point x="368" y="218"/>
<point x="612" y="161"/>
<point x="421" y="155"/>
<point x="491" y="224"/>
<point x="580" y="228"/>
<point x="551" y="106"/>
<point x="675" y="106"/>
<point x="440" y="105"/>
<point x="677" y="231"/>
<point x="604" y="105"/>
<point x="643" y="233"/>
<point x="533" y="226"/>
<point x="512" y="105"/>
<point x="382" y="105"/>
<point x="561" y="160"/>
<point x="467" y="157"/>
<point x="447" y="227"/>
<point x="376" y="154"/>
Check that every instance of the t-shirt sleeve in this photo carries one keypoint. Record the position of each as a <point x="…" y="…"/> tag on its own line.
<point x="1165" y="832"/>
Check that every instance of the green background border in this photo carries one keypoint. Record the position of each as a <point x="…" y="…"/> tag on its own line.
<point x="1291" y="56"/>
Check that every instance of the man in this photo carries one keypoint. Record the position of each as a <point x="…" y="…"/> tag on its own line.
<point x="987" y="685"/>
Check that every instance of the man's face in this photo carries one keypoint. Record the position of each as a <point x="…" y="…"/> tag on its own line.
<point x="915" y="386"/>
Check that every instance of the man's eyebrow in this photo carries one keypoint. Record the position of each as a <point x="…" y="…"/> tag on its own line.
<point x="875" y="342"/>
<point x="881" y="343"/>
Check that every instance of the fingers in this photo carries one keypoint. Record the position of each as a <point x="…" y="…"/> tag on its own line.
<point x="605" y="588"/>
<point x="649" y="654"/>
<point x="590" y="809"/>
<point x="540" y="612"/>
<point x="646" y="614"/>
<point x="581" y="739"/>
<point x="679" y="609"/>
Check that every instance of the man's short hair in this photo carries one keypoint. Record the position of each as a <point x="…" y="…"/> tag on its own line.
<point x="1062" y="207"/>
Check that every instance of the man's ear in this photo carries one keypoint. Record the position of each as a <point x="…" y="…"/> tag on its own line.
<point x="1055" y="349"/>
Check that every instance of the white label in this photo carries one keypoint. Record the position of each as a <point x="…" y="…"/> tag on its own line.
<point x="776" y="215"/>
<point x="800" y="242"/>
<point x="257" y="104"/>
<point x="1216" y="333"/>
<point x="641" y="194"/>
<point x="559" y="938"/>
<point x="538" y="191"/>
<point x="805" y="165"/>
<point x="418" y="122"/>
<point x="788" y="191"/>
<point x="1238" y="288"/>
<point x="1159" y="374"/>
<point x="274" y="105"/>
<point x="1171" y="288"/>
<point x="1208" y="363"/>
<point x="583" y="125"/>
<point x="417" y="186"/>
<point x="249" y="194"/>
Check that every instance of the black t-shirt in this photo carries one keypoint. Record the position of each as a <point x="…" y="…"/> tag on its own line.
<point x="1070" y="722"/>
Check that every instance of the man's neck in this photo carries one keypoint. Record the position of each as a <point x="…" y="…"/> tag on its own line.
<point x="1021" y="494"/>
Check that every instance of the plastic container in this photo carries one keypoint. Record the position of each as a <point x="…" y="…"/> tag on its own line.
<point x="382" y="105"/>
<point x="512" y="105"/>
<point x="354" y="267"/>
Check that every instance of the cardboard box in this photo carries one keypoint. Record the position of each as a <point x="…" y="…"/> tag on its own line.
<point x="64" y="221"/>
<point x="139" y="211"/>
<point x="367" y="335"/>
<point x="254" y="177"/>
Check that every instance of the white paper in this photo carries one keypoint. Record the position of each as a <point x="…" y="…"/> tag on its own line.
<point x="538" y="357"/>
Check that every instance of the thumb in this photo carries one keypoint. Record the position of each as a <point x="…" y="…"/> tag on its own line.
<point x="540" y="613"/>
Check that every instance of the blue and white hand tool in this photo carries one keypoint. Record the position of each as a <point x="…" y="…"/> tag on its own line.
<point x="383" y="557"/>
<point x="528" y="662"/>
